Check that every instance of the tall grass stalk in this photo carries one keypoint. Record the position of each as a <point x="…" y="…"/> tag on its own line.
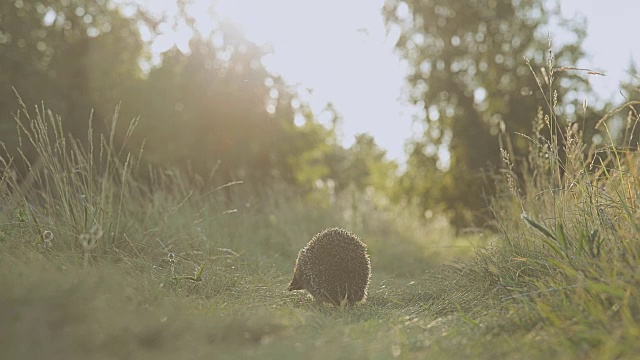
<point x="572" y="254"/>
<point x="91" y="194"/>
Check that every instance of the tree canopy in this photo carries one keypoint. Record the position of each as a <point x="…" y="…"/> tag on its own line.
<point x="471" y="77"/>
<point x="212" y="108"/>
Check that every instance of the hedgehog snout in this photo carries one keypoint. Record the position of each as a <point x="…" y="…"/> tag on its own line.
<point x="296" y="283"/>
<point x="292" y="287"/>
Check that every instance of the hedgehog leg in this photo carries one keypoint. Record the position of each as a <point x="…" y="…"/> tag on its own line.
<point x="350" y="300"/>
<point x="326" y="297"/>
<point x="297" y="283"/>
<point x="346" y="296"/>
<point x="356" y="296"/>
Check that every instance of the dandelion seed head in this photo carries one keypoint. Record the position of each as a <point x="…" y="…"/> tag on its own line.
<point x="47" y="237"/>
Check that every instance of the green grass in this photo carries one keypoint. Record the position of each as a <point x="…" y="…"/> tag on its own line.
<point x="102" y="257"/>
<point x="116" y="275"/>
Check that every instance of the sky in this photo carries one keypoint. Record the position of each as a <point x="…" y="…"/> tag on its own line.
<point x="340" y="52"/>
<point x="612" y="25"/>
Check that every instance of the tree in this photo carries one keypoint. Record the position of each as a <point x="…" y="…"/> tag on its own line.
<point x="472" y="83"/>
<point x="629" y="131"/>
<point x="211" y="108"/>
<point x="65" y="54"/>
<point x="214" y="106"/>
<point x="363" y="166"/>
<point x="230" y="114"/>
<point x="46" y="47"/>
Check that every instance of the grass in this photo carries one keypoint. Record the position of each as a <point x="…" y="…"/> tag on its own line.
<point x="105" y="258"/>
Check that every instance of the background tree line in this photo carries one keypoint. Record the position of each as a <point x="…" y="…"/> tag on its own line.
<point x="472" y="77"/>
<point x="213" y="109"/>
<point x="216" y="110"/>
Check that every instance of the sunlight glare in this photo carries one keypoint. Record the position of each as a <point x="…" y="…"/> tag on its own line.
<point x="341" y="52"/>
<point x="334" y="52"/>
<point x="330" y="51"/>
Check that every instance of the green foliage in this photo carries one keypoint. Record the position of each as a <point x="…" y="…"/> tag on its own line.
<point x="179" y="270"/>
<point x="100" y="201"/>
<point x="576" y="242"/>
<point x="57" y="51"/>
<point x="209" y="113"/>
<point x="213" y="111"/>
<point x="139" y="261"/>
<point x="116" y="273"/>
<point x="364" y="166"/>
<point x="70" y="182"/>
<point x="470" y="80"/>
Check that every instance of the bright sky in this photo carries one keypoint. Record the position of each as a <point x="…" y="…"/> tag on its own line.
<point x="341" y="50"/>
<point x="612" y="26"/>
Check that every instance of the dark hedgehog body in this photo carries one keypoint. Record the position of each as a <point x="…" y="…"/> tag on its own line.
<point x="334" y="267"/>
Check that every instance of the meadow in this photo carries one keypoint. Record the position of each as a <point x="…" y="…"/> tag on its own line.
<point x="104" y="257"/>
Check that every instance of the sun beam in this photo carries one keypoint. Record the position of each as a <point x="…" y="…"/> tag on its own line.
<point x="339" y="50"/>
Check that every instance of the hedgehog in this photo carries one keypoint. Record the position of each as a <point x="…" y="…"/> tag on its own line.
<point x="334" y="267"/>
